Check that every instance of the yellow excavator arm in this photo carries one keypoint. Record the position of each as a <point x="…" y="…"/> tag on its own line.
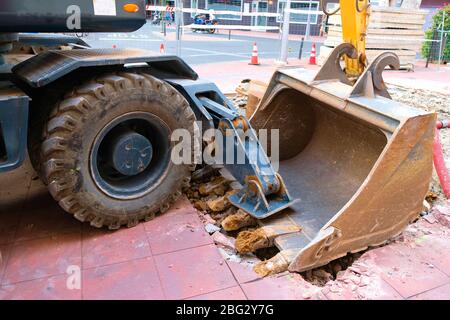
<point x="354" y="15"/>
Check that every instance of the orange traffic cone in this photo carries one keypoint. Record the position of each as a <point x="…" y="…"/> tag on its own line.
<point x="162" y="49"/>
<point x="312" y="56"/>
<point x="254" y="59"/>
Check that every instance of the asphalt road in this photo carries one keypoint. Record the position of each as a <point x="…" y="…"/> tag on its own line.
<point x="199" y="47"/>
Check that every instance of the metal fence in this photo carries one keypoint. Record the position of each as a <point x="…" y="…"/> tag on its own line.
<point x="437" y="49"/>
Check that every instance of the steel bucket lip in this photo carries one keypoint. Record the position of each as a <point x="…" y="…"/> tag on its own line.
<point x="302" y="79"/>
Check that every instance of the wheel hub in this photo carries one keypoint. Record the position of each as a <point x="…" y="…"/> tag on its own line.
<point x="131" y="153"/>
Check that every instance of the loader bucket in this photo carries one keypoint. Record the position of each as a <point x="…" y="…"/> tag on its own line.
<point x="358" y="163"/>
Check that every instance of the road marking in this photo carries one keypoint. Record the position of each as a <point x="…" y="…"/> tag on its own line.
<point x="129" y="39"/>
<point x="212" y="52"/>
<point x="204" y="54"/>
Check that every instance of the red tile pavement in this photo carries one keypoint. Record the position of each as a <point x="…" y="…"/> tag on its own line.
<point x="9" y="221"/>
<point x="137" y="279"/>
<point x="375" y="288"/>
<point x="4" y="255"/>
<point x="243" y="272"/>
<point x="46" y="219"/>
<point x="40" y="258"/>
<point x="51" y="288"/>
<point x="406" y="271"/>
<point x="434" y="250"/>
<point x="236" y="70"/>
<point x="440" y="293"/>
<point x="173" y="257"/>
<point x="423" y="78"/>
<point x="102" y="247"/>
<point x="193" y="272"/>
<point x="179" y="228"/>
<point x="290" y="286"/>
<point x="234" y="293"/>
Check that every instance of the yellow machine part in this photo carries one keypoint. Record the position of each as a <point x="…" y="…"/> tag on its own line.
<point x="354" y="15"/>
<point x="358" y="163"/>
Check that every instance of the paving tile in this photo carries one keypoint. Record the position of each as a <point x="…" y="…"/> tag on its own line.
<point x="376" y="289"/>
<point x="290" y="286"/>
<point x="179" y="228"/>
<point x="435" y="250"/>
<point x="4" y="255"/>
<point x="41" y="258"/>
<point x="51" y="288"/>
<point x="137" y="279"/>
<point x="406" y="271"/>
<point x="102" y="247"/>
<point x="192" y="272"/>
<point x="14" y="186"/>
<point x="9" y="222"/>
<point x="37" y="189"/>
<point x="243" y="272"/>
<point x="234" y="293"/>
<point x="440" y="293"/>
<point x="45" y="218"/>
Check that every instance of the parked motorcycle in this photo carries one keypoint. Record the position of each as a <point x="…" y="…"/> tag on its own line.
<point x="205" y="20"/>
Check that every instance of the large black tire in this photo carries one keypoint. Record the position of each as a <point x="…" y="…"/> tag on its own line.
<point x="73" y="127"/>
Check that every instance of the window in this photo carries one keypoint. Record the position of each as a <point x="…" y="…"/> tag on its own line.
<point x="300" y="18"/>
<point x="225" y="5"/>
<point x="194" y="5"/>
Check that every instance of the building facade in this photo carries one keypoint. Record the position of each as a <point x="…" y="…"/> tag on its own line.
<point x="299" y="21"/>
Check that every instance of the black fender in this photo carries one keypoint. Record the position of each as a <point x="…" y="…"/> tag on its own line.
<point x="47" y="67"/>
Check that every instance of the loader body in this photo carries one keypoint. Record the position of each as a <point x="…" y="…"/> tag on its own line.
<point x="107" y="160"/>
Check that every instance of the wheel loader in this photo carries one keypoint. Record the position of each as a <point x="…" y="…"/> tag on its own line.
<point x="97" y="125"/>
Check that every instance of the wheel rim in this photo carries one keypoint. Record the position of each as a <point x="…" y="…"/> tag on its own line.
<point x="130" y="155"/>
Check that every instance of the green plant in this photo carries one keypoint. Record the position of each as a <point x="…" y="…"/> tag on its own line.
<point x="434" y="31"/>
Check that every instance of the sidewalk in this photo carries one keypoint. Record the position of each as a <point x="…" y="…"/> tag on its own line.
<point x="172" y="257"/>
<point x="236" y="71"/>
<point x="432" y="78"/>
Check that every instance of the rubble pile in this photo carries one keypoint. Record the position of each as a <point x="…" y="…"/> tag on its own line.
<point x="209" y="195"/>
<point x="332" y="271"/>
<point x="434" y="102"/>
<point x="237" y="236"/>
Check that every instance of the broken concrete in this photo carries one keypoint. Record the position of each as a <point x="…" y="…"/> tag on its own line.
<point x="223" y="240"/>
<point x="442" y="214"/>
<point x="238" y="221"/>
<point x="252" y="240"/>
<point x="211" y="228"/>
<point x="217" y="186"/>
<point x="276" y="264"/>
<point x="218" y="204"/>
